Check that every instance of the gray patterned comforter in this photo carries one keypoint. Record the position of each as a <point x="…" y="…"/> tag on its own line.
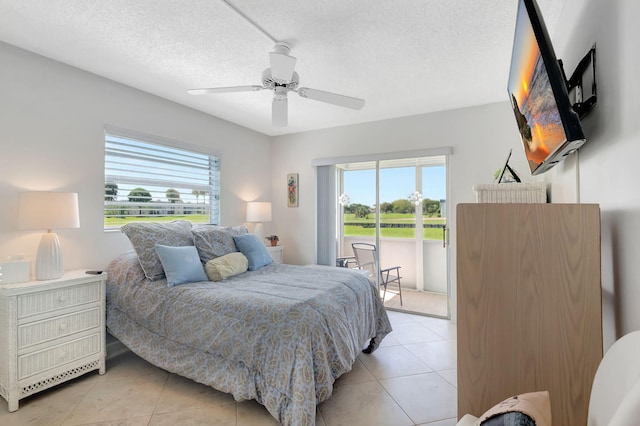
<point x="280" y="335"/>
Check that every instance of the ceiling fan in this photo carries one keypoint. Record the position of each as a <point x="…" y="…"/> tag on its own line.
<point x="282" y="79"/>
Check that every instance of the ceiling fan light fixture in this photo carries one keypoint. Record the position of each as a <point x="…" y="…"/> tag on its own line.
<point x="279" y="107"/>
<point x="280" y="93"/>
<point x="282" y="64"/>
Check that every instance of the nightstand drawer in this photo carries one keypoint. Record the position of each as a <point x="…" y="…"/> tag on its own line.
<point x="54" y="328"/>
<point x="276" y="253"/>
<point x="49" y="358"/>
<point x="59" y="298"/>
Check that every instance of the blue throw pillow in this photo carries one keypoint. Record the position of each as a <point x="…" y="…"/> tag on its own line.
<point x="181" y="264"/>
<point x="253" y="249"/>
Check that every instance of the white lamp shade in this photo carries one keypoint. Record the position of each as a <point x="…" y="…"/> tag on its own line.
<point x="259" y="211"/>
<point x="48" y="210"/>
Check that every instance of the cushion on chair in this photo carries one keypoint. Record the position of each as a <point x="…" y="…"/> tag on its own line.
<point x="532" y="408"/>
<point x="512" y="418"/>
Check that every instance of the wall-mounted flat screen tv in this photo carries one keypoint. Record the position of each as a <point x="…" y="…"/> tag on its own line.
<point x="549" y="127"/>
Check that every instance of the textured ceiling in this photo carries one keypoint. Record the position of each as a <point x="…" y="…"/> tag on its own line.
<point x="403" y="57"/>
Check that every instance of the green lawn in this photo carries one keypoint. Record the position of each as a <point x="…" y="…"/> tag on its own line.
<point x="359" y="231"/>
<point x="115" y="222"/>
<point x="349" y="230"/>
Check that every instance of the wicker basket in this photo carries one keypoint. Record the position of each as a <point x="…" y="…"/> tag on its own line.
<point x="511" y="193"/>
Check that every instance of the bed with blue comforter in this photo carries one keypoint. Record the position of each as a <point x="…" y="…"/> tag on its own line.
<point x="281" y="334"/>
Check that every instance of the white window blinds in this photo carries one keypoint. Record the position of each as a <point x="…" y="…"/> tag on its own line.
<point x="148" y="181"/>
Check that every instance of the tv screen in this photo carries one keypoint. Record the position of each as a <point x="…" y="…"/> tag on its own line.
<point x="549" y="127"/>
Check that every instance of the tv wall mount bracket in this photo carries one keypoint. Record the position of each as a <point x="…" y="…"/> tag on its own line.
<point x="585" y="71"/>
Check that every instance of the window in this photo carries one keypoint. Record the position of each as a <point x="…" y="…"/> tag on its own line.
<point x="149" y="181"/>
<point x="392" y="183"/>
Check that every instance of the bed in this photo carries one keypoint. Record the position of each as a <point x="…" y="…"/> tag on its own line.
<point x="280" y="334"/>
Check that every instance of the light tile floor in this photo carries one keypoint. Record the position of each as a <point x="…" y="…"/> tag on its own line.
<point x="409" y="380"/>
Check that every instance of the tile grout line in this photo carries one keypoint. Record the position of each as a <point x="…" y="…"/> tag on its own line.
<point x="66" y="418"/>
<point x="155" y="406"/>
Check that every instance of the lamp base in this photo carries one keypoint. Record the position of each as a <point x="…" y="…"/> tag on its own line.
<point x="49" y="259"/>
<point x="259" y="231"/>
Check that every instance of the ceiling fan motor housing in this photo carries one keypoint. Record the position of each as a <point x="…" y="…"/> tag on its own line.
<point x="269" y="83"/>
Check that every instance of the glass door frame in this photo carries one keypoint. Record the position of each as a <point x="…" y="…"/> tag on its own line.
<point x="418" y="164"/>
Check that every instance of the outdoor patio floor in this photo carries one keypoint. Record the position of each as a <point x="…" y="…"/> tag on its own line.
<point x="416" y="302"/>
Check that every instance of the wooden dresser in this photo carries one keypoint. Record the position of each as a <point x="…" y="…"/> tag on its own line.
<point x="50" y="332"/>
<point x="529" y="305"/>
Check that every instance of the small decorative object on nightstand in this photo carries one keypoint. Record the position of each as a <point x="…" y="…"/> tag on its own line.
<point x="273" y="239"/>
<point x="276" y="253"/>
<point x="50" y="332"/>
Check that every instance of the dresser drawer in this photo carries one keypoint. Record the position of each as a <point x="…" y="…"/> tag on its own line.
<point x="61" y="326"/>
<point x="37" y="362"/>
<point x="59" y="298"/>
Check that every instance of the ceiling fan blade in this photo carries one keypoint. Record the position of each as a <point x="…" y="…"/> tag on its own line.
<point x="230" y="89"/>
<point x="279" y="108"/>
<point x="331" y="98"/>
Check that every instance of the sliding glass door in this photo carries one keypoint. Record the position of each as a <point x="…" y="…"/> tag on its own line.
<point x="400" y="206"/>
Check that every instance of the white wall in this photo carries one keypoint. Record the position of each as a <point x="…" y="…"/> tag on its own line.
<point x="480" y="137"/>
<point x="607" y="170"/>
<point x="52" y="119"/>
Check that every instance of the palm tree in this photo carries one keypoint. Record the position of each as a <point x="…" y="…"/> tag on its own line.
<point x="197" y="193"/>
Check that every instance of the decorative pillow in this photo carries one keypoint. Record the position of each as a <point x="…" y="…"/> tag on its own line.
<point x="527" y="409"/>
<point x="226" y="266"/>
<point x="512" y="418"/>
<point x="215" y="241"/>
<point x="181" y="264"/>
<point x="145" y="235"/>
<point x="256" y="253"/>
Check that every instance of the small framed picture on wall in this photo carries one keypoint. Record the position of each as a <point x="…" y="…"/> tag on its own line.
<point x="292" y="190"/>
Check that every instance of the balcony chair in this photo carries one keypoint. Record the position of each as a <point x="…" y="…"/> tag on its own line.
<point x="366" y="258"/>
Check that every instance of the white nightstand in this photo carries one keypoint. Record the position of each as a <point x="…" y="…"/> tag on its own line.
<point x="50" y="332"/>
<point x="276" y="253"/>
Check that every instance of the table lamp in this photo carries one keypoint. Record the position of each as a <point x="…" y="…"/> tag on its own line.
<point x="48" y="210"/>
<point x="259" y="211"/>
